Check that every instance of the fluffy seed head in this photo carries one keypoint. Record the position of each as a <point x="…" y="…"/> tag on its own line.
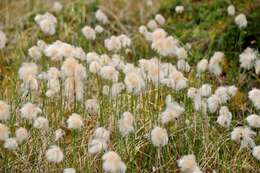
<point x="4" y="111"/>
<point x="54" y="154"/>
<point x="75" y="121"/>
<point x="21" y="134"/>
<point x="159" y="137"/>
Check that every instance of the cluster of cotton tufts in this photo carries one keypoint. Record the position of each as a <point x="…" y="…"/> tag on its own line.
<point x="47" y="22"/>
<point x="98" y="141"/>
<point x="112" y="163"/>
<point x="126" y="124"/>
<point x="10" y="144"/>
<point x="4" y="132"/>
<point x="92" y="106"/>
<point x="109" y="73"/>
<point x="163" y="44"/>
<point x="152" y="70"/>
<point x="134" y="81"/>
<point x="30" y="111"/>
<point x="253" y="121"/>
<point x="101" y="16"/>
<point x="21" y="134"/>
<point x="3" y="39"/>
<point x="172" y="112"/>
<point x="41" y="123"/>
<point x="52" y="76"/>
<point x="249" y="59"/>
<point x="89" y="32"/>
<point x="183" y="65"/>
<point x="115" y="43"/>
<point x="221" y="95"/>
<point x="256" y="152"/>
<point x="254" y="96"/>
<point x="179" y="9"/>
<point x="214" y="65"/>
<point x="57" y="6"/>
<point x="28" y="74"/>
<point x="187" y="164"/>
<point x="4" y="111"/>
<point x="231" y="10"/>
<point x="225" y="117"/>
<point x="243" y="136"/>
<point x="199" y="97"/>
<point x="174" y="79"/>
<point x="35" y="52"/>
<point x="75" y="121"/>
<point x="114" y="90"/>
<point x="54" y="154"/>
<point x="75" y="74"/>
<point x="241" y="21"/>
<point x="59" y="50"/>
<point x="159" y="137"/>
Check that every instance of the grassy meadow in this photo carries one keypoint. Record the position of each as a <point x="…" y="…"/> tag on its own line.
<point x="203" y="28"/>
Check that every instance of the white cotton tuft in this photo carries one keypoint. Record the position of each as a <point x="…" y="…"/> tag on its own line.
<point x="188" y="164"/>
<point x="21" y="134"/>
<point x="4" y="132"/>
<point x="244" y="136"/>
<point x="225" y="117"/>
<point x="57" y="6"/>
<point x="41" y="123"/>
<point x="101" y="16"/>
<point x="126" y="124"/>
<point x="256" y="152"/>
<point x="247" y="58"/>
<point x="109" y="73"/>
<point x="69" y="170"/>
<point x="253" y="121"/>
<point x="35" y="53"/>
<point x="75" y="121"/>
<point x="202" y="66"/>
<point x="92" y="106"/>
<point x="214" y="63"/>
<point x="205" y="90"/>
<point x="160" y="19"/>
<point x="159" y="137"/>
<point x="54" y="154"/>
<point x="254" y="96"/>
<point x="99" y="29"/>
<point x="183" y="65"/>
<point x="10" y="144"/>
<point x="213" y="103"/>
<point x="30" y="111"/>
<point x="179" y="9"/>
<point x="112" y="163"/>
<point x="4" y="111"/>
<point x="241" y="21"/>
<point x="152" y="25"/>
<point x="47" y="22"/>
<point x="231" y="10"/>
<point x="59" y="133"/>
<point x="172" y="112"/>
<point x="89" y="33"/>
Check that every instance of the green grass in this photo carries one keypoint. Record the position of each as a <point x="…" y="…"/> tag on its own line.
<point x="204" y="24"/>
